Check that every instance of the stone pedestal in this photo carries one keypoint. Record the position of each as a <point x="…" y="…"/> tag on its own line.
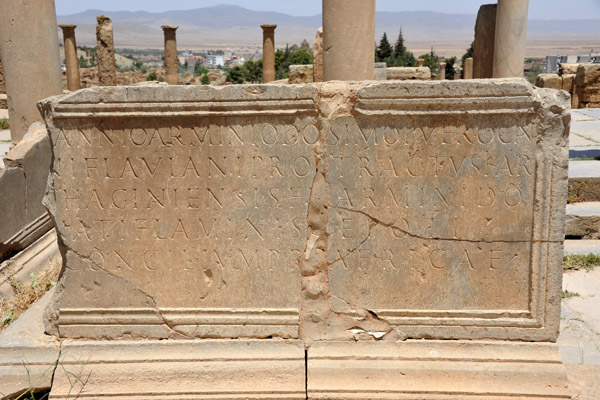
<point x="318" y="56"/>
<point x="30" y="58"/>
<point x="71" y="60"/>
<point x="313" y="229"/>
<point x="442" y="71"/>
<point x="171" y="67"/>
<point x="107" y="70"/>
<point x="348" y="40"/>
<point x="510" y="38"/>
<point x="468" y="68"/>
<point x="268" y="53"/>
<point x="483" y="46"/>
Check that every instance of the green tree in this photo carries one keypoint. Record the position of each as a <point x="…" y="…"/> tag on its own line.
<point x="200" y="69"/>
<point x="235" y="75"/>
<point x="151" y="76"/>
<point x="468" y="53"/>
<point x="431" y="61"/>
<point x="450" y="71"/>
<point x="83" y="62"/>
<point x="384" y="50"/>
<point x="205" y="80"/>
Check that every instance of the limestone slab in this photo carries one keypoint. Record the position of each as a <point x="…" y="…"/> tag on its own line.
<point x="182" y="211"/>
<point x="408" y="73"/>
<point x="431" y="217"/>
<point x="28" y="357"/>
<point x="430" y="369"/>
<point x="334" y="211"/>
<point x="197" y="369"/>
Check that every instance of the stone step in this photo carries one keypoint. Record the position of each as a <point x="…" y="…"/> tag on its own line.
<point x="584" y="181"/>
<point x="583" y="220"/>
<point x="583" y="247"/>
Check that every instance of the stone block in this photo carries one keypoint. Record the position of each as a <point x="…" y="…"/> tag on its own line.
<point x="549" y="81"/>
<point x="301" y="74"/>
<point x="590" y="95"/>
<point x="34" y="155"/>
<point x="567" y="68"/>
<point x="13" y="197"/>
<point x="588" y="75"/>
<point x="356" y="213"/>
<point x="408" y="73"/>
<point x="184" y="369"/>
<point x="380" y="71"/>
<point x="568" y="82"/>
<point x="28" y="357"/>
<point x="430" y="369"/>
<point x="483" y="45"/>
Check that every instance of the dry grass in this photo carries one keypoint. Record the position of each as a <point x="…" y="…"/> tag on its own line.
<point x="25" y="294"/>
<point x="575" y="262"/>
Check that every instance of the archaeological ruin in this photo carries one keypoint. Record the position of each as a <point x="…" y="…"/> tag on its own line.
<point x="335" y="236"/>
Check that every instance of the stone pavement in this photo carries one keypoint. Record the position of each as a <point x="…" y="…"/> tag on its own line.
<point x="580" y="332"/>
<point x="584" y="179"/>
<point x="580" y="315"/>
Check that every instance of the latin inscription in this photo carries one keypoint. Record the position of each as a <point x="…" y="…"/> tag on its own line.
<point x="431" y="214"/>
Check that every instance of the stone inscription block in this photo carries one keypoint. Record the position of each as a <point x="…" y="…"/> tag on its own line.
<point x="186" y="217"/>
<point x="440" y="205"/>
<point x="333" y="211"/>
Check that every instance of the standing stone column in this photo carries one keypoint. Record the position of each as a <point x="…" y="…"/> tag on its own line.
<point x="107" y="70"/>
<point x="318" y="56"/>
<point x="172" y="70"/>
<point x="442" y="71"/>
<point x="348" y="40"/>
<point x="268" y="53"/>
<point x="30" y="58"/>
<point x="71" y="60"/>
<point x="510" y="40"/>
<point x="421" y="62"/>
<point x="483" y="46"/>
<point x="468" y="68"/>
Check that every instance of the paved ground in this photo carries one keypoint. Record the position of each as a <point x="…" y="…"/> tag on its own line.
<point x="580" y="315"/>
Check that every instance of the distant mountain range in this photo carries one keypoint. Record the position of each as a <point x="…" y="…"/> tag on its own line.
<point x="234" y="26"/>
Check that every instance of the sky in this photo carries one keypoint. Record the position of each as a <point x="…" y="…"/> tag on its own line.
<point x="538" y="9"/>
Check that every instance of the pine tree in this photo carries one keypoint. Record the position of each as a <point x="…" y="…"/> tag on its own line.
<point x="399" y="48"/>
<point x="384" y="51"/>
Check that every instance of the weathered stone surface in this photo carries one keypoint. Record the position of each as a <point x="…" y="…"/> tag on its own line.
<point x="301" y="74"/>
<point x="408" y="73"/>
<point x="380" y="71"/>
<point x="2" y="84"/>
<point x="348" y="48"/>
<point x="583" y="220"/>
<point x="568" y="82"/>
<point x="549" y="81"/>
<point x="510" y="38"/>
<point x="483" y="46"/>
<point x="268" y="52"/>
<point x="468" y="68"/>
<point x="71" y="59"/>
<point x="566" y="68"/>
<point x="343" y="211"/>
<point x="184" y="369"/>
<point x="30" y="59"/>
<point x="107" y="69"/>
<point x="211" y="196"/>
<point x="588" y="75"/>
<point x="171" y="67"/>
<point x="22" y="188"/>
<point x="318" y="56"/>
<point x="435" y="370"/>
<point x="27" y="356"/>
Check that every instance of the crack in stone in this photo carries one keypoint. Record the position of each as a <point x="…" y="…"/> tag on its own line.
<point x="415" y="236"/>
